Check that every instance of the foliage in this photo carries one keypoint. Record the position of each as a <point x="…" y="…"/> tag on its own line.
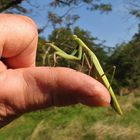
<point x="126" y="58"/>
<point x="8" y="4"/>
<point x="54" y="18"/>
<point x="134" y="8"/>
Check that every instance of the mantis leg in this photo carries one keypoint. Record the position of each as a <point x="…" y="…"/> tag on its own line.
<point x="63" y="54"/>
<point x="113" y="74"/>
<point x="112" y="77"/>
<point x="91" y="71"/>
<point x="85" y="58"/>
<point x="45" y="55"/>
<point x="49" y="60"/>
<point x="55" y="59"/>
<point x="74" y="51"/>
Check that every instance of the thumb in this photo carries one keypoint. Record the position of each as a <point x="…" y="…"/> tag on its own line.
<point x="33" y="88"/>
<point x="63" y="86"/>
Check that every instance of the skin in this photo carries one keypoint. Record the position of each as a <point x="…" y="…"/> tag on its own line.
<point x="25" y="87"/>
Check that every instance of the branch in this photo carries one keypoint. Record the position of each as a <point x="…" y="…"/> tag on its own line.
<point x="10" y="4"/>
<point x="63" y="2"/>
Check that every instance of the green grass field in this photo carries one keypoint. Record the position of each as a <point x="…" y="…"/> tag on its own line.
<point x="78" y="122"/>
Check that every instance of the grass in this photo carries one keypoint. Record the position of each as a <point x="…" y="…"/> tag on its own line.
<point x="78" y="122"/>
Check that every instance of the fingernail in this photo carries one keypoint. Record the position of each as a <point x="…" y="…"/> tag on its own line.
<point x="101" y="100"/>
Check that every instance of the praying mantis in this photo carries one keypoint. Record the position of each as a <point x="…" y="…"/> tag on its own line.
<point x="83" y="51"/>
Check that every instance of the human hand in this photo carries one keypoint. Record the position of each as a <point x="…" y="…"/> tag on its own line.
<point x="24" y="87"/>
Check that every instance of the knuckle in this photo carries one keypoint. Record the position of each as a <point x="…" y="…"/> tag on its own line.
<point x="30" y="24"/>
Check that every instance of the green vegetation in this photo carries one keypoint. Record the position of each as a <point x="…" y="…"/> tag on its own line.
<point x="126" y="58"/>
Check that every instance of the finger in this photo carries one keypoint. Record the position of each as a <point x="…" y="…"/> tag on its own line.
<point x="18" y="40"/>
<point x="35" y="88"/>
<point x="42" y="87"/>
<point x="66" y="86"/>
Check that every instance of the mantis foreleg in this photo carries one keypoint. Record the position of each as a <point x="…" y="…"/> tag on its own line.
<point x="63" y="54"/>
<point x="85" y="58"/>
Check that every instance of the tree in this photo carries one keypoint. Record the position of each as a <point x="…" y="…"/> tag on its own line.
<point x="55" y="19"/>
<point x="134" y="8"/>
<point x="126" y="58"/>
<point x="7" y="4"/>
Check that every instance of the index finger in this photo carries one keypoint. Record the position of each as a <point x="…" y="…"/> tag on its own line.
<point x="18" y="40"/>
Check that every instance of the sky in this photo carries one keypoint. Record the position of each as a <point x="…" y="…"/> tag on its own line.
<point x="114" y="28"/>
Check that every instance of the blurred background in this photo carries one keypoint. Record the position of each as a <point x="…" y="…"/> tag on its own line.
<point x="111" y="29"/>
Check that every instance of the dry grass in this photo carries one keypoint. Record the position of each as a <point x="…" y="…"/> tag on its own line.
<point x="71" y="132"/>
<point x="37" y="129"/>
<point x="127" y="102"/>
<point x="115" y="131"/>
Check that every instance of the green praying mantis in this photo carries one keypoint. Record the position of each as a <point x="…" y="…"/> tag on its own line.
<point x="83" y="51"/>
